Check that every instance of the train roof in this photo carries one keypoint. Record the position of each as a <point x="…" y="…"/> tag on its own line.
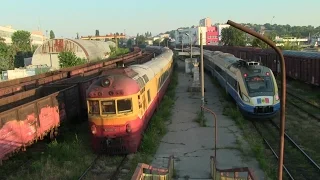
<point x="154" y="66"/>
<point x="312" y="55"/>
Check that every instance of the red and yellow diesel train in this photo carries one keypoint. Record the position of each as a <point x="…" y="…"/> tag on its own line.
<point x="122" y="101"/>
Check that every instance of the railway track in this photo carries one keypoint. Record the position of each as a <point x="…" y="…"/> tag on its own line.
<point x="297" y="163"/>
<point x="110" y="169"/>
<point x="303" y="105"/>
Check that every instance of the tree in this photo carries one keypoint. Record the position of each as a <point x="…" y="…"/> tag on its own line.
<point x="2" y="39"/>
<point x="156" y="42"/>
<point x="258" y="43"/>
<point x="129" y="43"/>
<point x="4" y="61"/>
<point x="140" y="39"/>
<point x="233" y="37"/>
<point x="77" y="35"/>
<point x="52" y="36"/>
<point x="290" y="46"/>
<point x="69" y="59"/>
<point x="22" y="40"/>
<point x="97" y="33"/>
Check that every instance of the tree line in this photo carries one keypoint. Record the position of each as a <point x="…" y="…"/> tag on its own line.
<point x="286" y="30"/>
<point x="12" y="55"/>
<point x="234" y="37"/>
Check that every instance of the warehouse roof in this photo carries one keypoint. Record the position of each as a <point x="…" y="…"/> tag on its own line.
<point x="92" y="49"/>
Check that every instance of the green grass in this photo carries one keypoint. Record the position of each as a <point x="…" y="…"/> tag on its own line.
<point x="64" y="158"/>
<point x="156" y="129"/>
<point x="257" y="147"/>
<point x="201" y="119"/>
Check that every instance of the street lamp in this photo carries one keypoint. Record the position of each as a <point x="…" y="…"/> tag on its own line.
<point x="190" y="44"/>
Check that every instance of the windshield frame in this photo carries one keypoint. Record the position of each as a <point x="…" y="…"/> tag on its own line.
<point x="260" y="93"/>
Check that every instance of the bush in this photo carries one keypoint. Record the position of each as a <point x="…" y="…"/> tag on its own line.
<point x="69" y="59"/>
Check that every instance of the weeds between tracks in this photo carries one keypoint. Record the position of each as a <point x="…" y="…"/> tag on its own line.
<point x="296" y="163"/>
<point x="304" y="130"/>
<point x="63" y="158"/>
<point x="105" y="167"/>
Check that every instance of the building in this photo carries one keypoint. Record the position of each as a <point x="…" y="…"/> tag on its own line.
<point x="24" y="72"/>
<point x="212" y="36"/>
<point x="91" y="50"/>
<point x="149" y="42"/>
<point x="220" y="27"/>
<point x="206" y="22"/>
<point x="181" y="37"/>
<point x="37" y="37"/>
<point x="104" y="38"/>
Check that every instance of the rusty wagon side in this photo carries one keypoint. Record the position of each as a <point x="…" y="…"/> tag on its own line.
<point x="31" y="115"/>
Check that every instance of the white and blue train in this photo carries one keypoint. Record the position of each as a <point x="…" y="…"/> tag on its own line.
<point x="251" y="85"/>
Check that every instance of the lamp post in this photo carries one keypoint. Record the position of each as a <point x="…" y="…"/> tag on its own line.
<point x="202" y="71"/>
<point x="190" y="44"/>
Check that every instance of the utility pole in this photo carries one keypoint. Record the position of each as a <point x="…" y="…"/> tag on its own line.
<point x="202" y="71"/>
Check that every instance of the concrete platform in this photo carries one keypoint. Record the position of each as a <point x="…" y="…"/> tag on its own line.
<point x="193" y="145"/>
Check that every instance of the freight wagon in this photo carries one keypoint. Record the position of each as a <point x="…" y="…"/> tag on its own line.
<point x="28" y="116"/>
<point x="11" y="87"/>
<point x="302" y="66"/>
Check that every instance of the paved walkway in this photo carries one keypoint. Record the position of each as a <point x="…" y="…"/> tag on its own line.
<point x="193" y="145"/>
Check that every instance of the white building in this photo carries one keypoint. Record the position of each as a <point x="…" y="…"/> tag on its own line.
<point x="220" y="27"/>
<point x="181" y="36"/>
<point x="37" y="38"/>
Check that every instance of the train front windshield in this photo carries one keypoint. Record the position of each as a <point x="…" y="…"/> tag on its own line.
<point x="259" y="85"/>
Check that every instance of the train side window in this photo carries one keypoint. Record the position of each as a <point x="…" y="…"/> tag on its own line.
<point x="94" y="107"/>
<point x="124" y="105"/>
<point x="108" y="107"/>
<point x="149" y="98"/>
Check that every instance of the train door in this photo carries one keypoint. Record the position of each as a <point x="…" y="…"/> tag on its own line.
<point x="140" y="105"/>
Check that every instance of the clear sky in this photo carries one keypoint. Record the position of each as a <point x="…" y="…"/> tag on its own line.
<point x="67" y="17"/>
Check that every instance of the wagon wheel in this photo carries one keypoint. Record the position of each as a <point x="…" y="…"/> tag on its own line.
<point x="54" y="133"/>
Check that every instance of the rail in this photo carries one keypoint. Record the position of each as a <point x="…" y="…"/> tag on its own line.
<point x="291" y="166"/>
<point x="312" y="107"/>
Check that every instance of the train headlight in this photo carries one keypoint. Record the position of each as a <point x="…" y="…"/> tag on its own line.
<point x="277" y="97"/>
<point x="245" y="98"/>
<point x="128" y="128"/>
<point x="105" y="82"/>
<point x="93" y="129"/>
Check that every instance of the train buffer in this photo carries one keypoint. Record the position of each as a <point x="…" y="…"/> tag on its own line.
<point x="147" y="172"/>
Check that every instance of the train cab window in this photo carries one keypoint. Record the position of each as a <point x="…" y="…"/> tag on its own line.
<point x="93" y="107"/>
<point x="124" y="105"/>
<point x="108" y="107"/>
<point x="259" y="84"/>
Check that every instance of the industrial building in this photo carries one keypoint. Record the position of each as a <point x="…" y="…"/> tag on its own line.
<point x="90" y="50"/>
